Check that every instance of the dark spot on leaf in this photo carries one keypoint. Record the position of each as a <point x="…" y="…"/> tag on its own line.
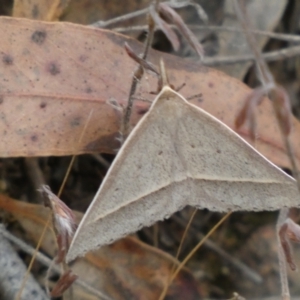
<point x="7" y="59"/>
<point x="43" y="105"/>
<point x="219" y="151"/>
<point x="211" y="85"/>
<point x="1" y="99"/>
<point x="88" y="90"/>
<point x="39" y="37"/>
<point x="160" y="153"/>
<point x="193" y="146"/>
<point x="75" y="122"/>
<point x="34" y="138"/>
<point x="53" y="69"/>
<point x="82" y="58"/>
<point x="35" y="11"/>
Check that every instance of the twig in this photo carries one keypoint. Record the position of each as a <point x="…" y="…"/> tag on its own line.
<point x="65" y="267"/>
<point x="270" y="56"/>
<point x="136" y="78"/>
<point x="267" y="79"/>
<point x="171" y="16"/>
<point x="134" y="14"/>
<point x="195" y="249"/>
<point x="248" y="272"/>
<point x="281" y="54"/>
<point x="206" y="237"/>
<point x="278" y="36"/>
<point x="104" y="24"/>
<point x="47" y="262"/>
<point x="283" y="214"/>
<point x="274" y="35"/>
<point x="186" y="229"/>
<point x="143" y="62"/>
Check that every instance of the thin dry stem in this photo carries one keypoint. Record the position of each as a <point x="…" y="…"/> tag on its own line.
<point x="184" y="235"/>
<point x="65" y="266"/>
<point x="165" y="28"/>
<point x="135" y="80"/>
<point x="269" y="56"/>
<point x="276" y="55"/>
<point x="171" y="16"/>
<point x="200" y="11"/>
<point x="236" y="263"/>
<point x="144" y="63"/>
<point x="267" y="79"/>
<point x="212" y="28"/>
<point x="196" y="248"/>
<point x="187" y="227"/>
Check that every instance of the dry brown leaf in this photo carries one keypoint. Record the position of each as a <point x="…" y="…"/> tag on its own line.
<point x="127" y="267"/>
<point x="40" y="9"/>
<point x="57" y="77"/>
<point x="91" y="11"/>
<point x="179" y="155"/>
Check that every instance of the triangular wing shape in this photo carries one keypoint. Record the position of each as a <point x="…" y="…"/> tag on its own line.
<point x="179" y="155"/>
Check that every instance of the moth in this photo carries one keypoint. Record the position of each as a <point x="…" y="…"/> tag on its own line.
<point x="179" y="155"/>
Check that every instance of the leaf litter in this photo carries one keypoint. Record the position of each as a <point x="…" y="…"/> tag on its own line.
<point x="8" y="59"/>
<point x="127" y="267"/>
